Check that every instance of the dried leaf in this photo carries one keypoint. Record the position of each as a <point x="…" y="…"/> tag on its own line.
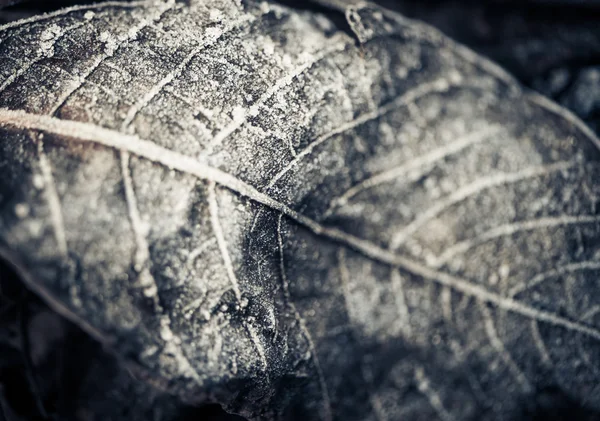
<point x="250" y="208"/>
<point x="553" y="49"/>
<point x="74" y="378"/>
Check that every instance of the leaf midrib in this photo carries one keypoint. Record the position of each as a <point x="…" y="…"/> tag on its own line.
<point x="90" y="133"/>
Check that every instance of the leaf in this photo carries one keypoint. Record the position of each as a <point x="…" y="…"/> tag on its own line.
<point x="74" y="377"/>
<point x="550" y="46"/>
<point x="552" y="49"/>
<point x="249" y="208"/>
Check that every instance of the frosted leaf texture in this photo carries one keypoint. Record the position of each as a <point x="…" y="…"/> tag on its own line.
<point x="253" y="206"/>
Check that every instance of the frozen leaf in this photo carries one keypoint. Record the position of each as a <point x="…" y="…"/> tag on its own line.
<point x="251" y="208"/>
<point x="551" y="46"/>
<point x="75" y="379"/>
<point x="552" y="49"/>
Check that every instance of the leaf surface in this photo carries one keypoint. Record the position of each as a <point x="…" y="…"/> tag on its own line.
<point x="250" y="208"/>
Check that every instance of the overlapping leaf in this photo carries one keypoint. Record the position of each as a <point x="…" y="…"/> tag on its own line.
<point x="251" y="208"/>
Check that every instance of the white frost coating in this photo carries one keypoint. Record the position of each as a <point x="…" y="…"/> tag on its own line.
<point x="66" y="11"/>
<point x="211" y="38"/>
<point x="510" y="229"/>
<point x="374" y="400"/>
<point x="220" y="236"/>
<point x="240" y="116"/>
<point x="216" y="15"/>
<point x="313" y="350"/>
<point x="50" y="33"/>
<point x="439" y="85"/>
<point x="409" y="167"/>
<point x="46" y="49"/>
<point x="52" y="198"/>
<point x="399" y="301"/>
<point x="111" y="47"/>
<point x="84" y="132"/>
<point x="472" y="189"/>
<point x="544" y="276"/>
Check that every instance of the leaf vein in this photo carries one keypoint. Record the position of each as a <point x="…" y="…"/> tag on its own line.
<point x="280" y="84"/>
<point x="89" y="133"/>
<point x="424" y="386"/>
<point x="413" y="164"/>
<point x="109" y="52"/>
<point x="220" y="236"/>
<point x="476" y="187"/>
<point x="374" y="400"/>
<point x="52" y="198"/>
<point x="544" y="276"/>
<point x="510" y="229"/>
<point x="302" y="323"/>
<point x="145" y="277"/>
<point x="400" y="299"/>
<point x="439" y="85"/>
<point x="498" y="345"/>
<point x="156" y="89"/>
<point x="539" y="343"/>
